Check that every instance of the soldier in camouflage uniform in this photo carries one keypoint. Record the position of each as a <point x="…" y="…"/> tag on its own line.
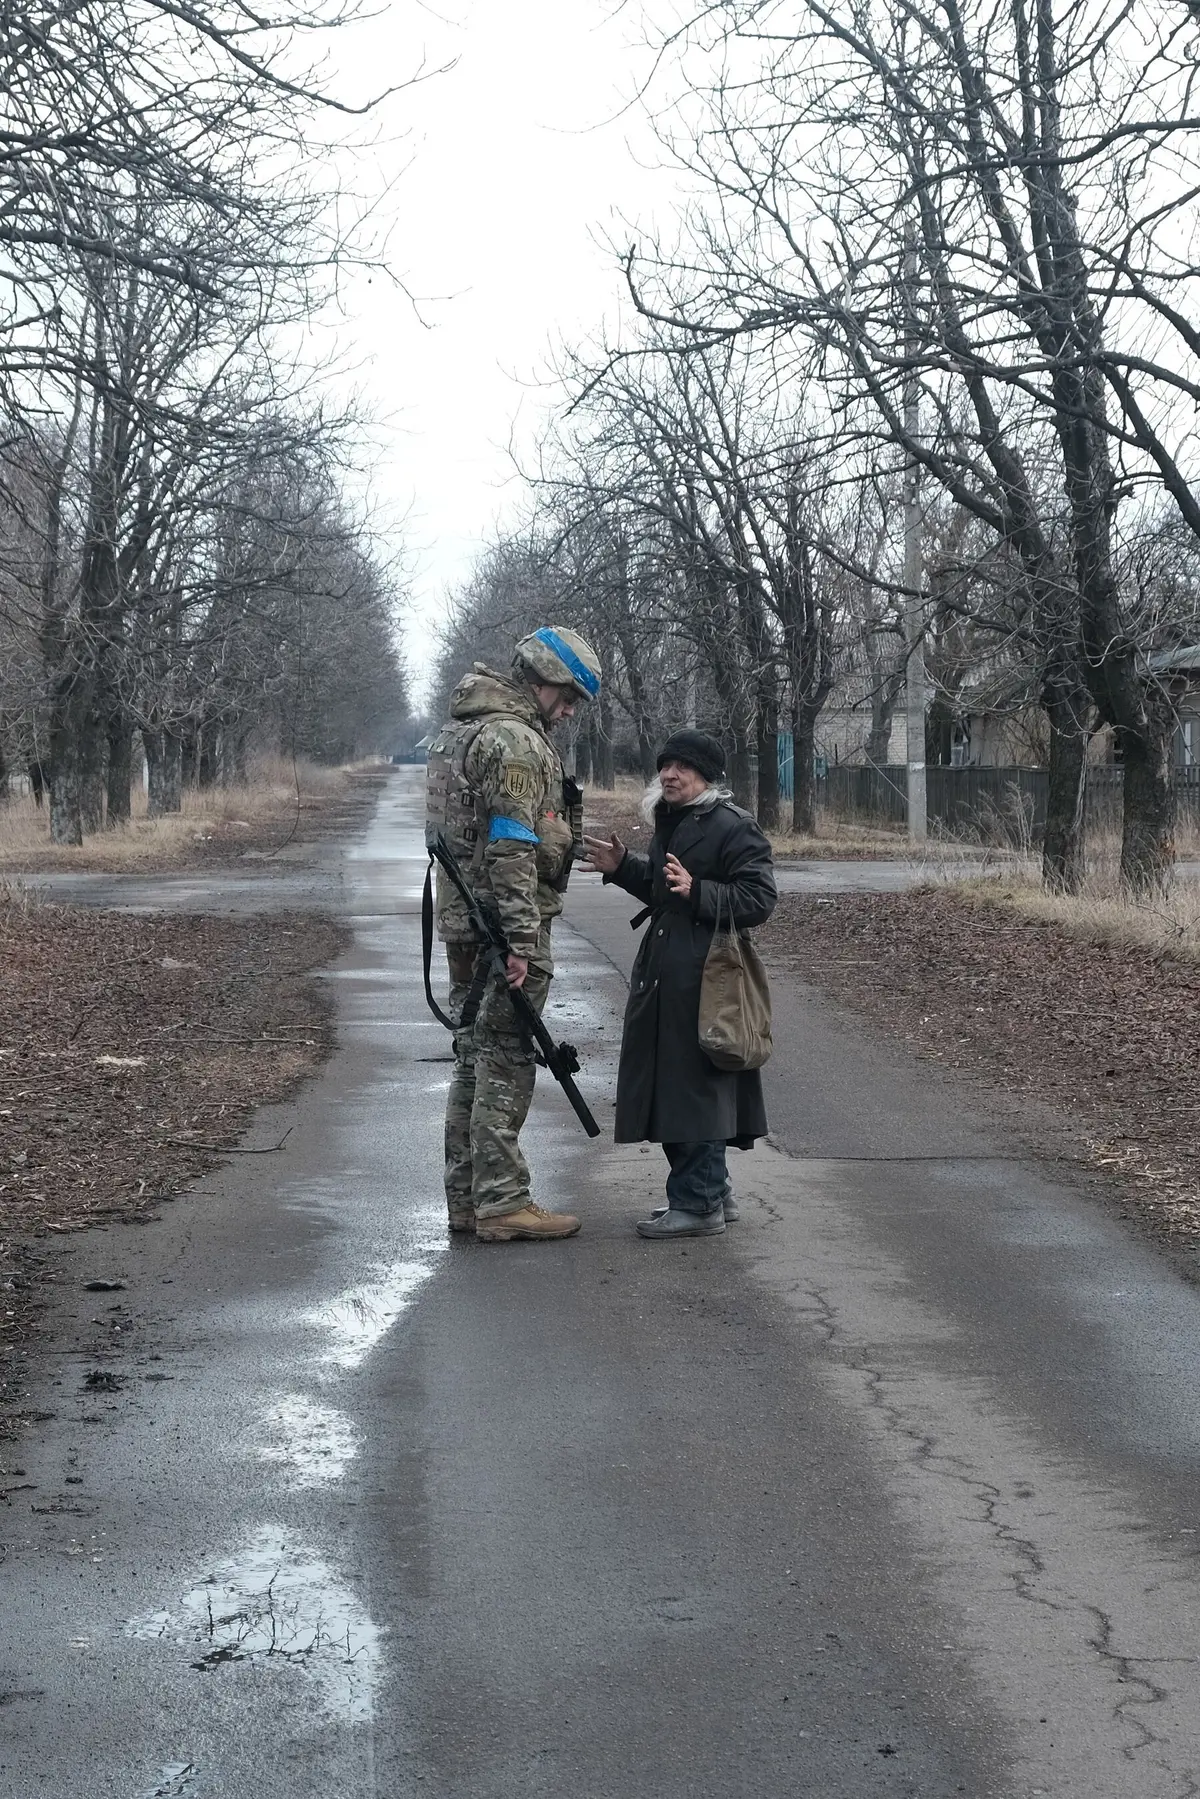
<point x="496" y="788"/>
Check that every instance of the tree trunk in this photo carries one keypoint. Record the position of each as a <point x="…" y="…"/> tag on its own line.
<point x="741" y="776"/>
<point x="37" y="783"/>
<point x="885" y="695"/>
<point x="807" y="617"/>
<point x="66" y="822"/>
<point x="120" y="768"/>
<point x="163" y="772"/>
<point x="231" y="756"/>
<point x="738" y="720"/>
<point x="583" y="754"/>
<point x="879" y="737"/>
<point x="1063" y="844"/>
<point x="67" y="711"/>
<point x="640" y="707"/>
<point x="604" y="772"/>
<point x="646" y="751"/>
<point x="804" y="755"/>
<point x="206" y="765"/>
<point x="189" y="750"/>
<point x="93" y="755"/>
<point x="66" y="818"/>
<point x="767" y="741"/>
<point x="1148" y="823"/>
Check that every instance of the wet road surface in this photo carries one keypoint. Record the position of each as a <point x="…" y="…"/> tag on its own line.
<point x="327" y="878"/>
<point x="892" y="1490"/>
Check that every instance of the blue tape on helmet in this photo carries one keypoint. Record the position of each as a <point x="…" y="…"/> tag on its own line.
<point x="511" y="827"/>
<point x="582" y="676"/>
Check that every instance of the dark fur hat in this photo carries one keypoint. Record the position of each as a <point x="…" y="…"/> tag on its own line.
<point x="698" y="750"/>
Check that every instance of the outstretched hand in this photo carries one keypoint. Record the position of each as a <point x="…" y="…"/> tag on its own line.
<point x="603" y="855"/>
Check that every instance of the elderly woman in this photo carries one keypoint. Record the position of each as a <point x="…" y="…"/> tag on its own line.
<point x="707" y="854"/>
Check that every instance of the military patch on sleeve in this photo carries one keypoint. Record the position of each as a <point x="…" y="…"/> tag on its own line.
<point x="518" y="781"/>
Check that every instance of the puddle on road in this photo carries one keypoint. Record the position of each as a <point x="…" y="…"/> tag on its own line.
<point x="313" y="1442"/>
<point x="574" y="1012"/>
<point x="174" y="1782"/>
<point x="358" y="1318"/>
<point x="277" y="1602"/>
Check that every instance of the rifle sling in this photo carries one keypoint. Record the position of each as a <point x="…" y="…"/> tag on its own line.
<point x="479" y="978"/>
<point x="427" y="947"/>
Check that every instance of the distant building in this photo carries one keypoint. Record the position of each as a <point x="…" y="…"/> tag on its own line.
<point x="991" y="722"/>
<point x="1180" y="671"/>
<point x="414" y="752"/>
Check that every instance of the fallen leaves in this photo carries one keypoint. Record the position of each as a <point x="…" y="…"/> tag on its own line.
<point x="132" y="1052"/>
<point x="1107" y="1034"/>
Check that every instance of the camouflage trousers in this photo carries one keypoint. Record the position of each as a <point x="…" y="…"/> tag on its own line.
<point x="491" y="1090"/>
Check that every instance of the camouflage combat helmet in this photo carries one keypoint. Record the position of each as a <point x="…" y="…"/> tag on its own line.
<point x="562" y="657"/>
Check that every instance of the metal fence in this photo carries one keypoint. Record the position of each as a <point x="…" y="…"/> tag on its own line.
<point x="1005" y="805"/>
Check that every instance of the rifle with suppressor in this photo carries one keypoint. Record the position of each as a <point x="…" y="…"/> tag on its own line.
<point x="562" y="1059"/>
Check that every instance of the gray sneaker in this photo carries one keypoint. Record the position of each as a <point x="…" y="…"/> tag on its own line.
<point x="673" y="1223"/>
<point x="729" y="1205"/>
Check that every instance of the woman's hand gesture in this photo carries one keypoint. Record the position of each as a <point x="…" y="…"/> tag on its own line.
<point x="677" y="877"/>
<point x="602" y="855"/>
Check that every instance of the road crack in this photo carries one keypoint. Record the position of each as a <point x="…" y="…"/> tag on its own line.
<point x="1027" y="1566"/>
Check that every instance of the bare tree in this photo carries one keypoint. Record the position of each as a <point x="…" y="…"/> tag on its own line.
<point x="712" y="450"/>
<point x="1038" y="167"/>
<point x="162" y="227"/>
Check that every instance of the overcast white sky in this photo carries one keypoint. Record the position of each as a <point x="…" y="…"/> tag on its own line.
<point x="518" y="160"/>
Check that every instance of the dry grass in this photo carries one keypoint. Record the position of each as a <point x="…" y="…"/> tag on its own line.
<point x="1013" y="830"/>
<point x="1165" y="924"/>
<point x="212" y="815"/>
<point x="994" y="847"/>
<point x="835" y="839"/>
<point x="839" y="839"/>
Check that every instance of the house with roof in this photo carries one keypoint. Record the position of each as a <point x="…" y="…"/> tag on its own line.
<point x="1179" y="671"/>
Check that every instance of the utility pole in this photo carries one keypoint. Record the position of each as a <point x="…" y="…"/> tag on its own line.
<point x="914" y="684"/>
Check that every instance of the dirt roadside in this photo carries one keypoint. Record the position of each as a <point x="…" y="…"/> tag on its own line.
<point x="1103" y="1037"/>
<point x="134" y="1051"/>
<point x="278" y="818"/>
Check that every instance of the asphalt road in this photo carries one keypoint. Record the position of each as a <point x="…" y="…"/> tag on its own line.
<point x="331" y="885"/>
<point x="892" y="1490"/>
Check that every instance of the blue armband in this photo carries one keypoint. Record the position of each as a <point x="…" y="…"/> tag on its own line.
<point x="513" y="828"/>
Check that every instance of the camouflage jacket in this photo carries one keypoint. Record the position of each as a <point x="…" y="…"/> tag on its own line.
<point x="514" y="828"/>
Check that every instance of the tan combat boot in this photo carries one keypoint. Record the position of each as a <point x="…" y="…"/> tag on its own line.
<point x="531" y="1224"/>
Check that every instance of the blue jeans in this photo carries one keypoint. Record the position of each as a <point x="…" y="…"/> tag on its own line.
<point x="698" y="1179"/>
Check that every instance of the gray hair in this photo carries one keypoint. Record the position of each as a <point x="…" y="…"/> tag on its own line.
<point x="711" y="796"/>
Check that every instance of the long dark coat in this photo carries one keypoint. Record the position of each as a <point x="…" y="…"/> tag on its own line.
<point x="667" y="1089"/>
